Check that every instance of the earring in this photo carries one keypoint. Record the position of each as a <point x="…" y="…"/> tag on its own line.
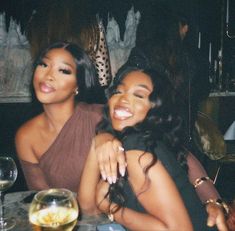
<point x="76" y="92"/>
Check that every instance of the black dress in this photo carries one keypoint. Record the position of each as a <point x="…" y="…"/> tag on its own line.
<point x="194" y="206"/>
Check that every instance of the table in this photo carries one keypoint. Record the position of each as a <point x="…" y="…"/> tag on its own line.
<point x="18" y="209"/>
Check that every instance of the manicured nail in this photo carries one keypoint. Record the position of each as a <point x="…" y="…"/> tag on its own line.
<point x="110" y="180"/>
<point x="103" y="176"/>
<point x="122" y="171"/>
<point x="114" y="179"/>
<point x="120" y="148"/>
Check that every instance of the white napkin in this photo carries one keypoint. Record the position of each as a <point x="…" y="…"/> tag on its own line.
<point x="230" y="133"/>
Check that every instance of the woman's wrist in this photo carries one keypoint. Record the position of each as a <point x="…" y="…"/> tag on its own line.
<point x="102" y="138"/>
<point x="112" y="210"/>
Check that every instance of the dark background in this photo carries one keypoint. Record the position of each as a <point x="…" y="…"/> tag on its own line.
<point x="206" y="16"/>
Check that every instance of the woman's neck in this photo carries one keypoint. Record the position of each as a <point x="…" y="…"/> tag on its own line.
<point x="56" y="115"/>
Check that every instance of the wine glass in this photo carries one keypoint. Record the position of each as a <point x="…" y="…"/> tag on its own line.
<point x="53" y="209"/>
<point x="8" y="174"/>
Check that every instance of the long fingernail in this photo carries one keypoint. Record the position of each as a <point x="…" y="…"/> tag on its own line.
<point x="120" y="148"/>
<point x="103" y="176"/>
<point x="122" y="171"/>
<point x="114" y="179"/>
<point x="110" y="180"/>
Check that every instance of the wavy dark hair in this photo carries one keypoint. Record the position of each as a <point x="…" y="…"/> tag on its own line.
<point x="87" y="80"/>
<point x="160" y="124"/>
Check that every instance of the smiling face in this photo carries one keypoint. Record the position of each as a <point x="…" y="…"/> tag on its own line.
<point x="130" y="102"/>
<point x="55" y="77"/>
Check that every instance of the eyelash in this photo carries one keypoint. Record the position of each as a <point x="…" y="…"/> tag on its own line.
<point x="63" y="70"/>
<point x="135" y="94"/>
<point x="42" y="64"/>
<point x="139" y="96"/>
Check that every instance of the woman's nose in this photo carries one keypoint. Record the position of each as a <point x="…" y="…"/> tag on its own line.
<point x="125" y="98"/>
<point x="50" y="75"/>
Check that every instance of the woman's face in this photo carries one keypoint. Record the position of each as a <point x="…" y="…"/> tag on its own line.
<point x="55" y="77"/>
<point x="130" y="103"/>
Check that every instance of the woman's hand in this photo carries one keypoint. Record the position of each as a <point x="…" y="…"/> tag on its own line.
<point x="102" y="201"/>
<point x="231" y="216"/>
<point x="110" y="156"/>
<point x="216" y="217"/>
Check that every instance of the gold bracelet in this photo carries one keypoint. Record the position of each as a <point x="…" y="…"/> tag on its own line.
<point x="220" y="203"/>
<point x="201" y="180"/>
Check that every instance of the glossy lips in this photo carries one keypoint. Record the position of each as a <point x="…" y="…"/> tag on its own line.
<point x="46" y="88"/>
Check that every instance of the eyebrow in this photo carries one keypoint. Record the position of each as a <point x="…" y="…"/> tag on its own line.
<point x="144" y="86"/>
<point x="68" y="64"/>
<point x="139" y="85"/>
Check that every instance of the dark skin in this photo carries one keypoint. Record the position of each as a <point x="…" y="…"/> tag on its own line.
<point x="127" y="107"/>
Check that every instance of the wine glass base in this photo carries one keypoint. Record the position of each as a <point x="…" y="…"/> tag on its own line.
<point x="7" y="224"/>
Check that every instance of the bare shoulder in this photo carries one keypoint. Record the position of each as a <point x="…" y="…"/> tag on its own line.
<point x="28" y="128"/>
<point x="137" y="161"/>
<point x="140" y="164"/>
<point x="138" y="158"/>
<point x="24" y="138"/>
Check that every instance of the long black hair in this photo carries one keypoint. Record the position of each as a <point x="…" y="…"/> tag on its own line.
<point x="160" y="124"/>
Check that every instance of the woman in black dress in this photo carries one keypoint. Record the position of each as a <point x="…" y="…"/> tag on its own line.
<point x="155" y="193"/>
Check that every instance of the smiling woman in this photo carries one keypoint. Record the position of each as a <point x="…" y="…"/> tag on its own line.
<point x="130" y="102"/>
<point x="63" y="75"/>
<point x="155" y="193"/>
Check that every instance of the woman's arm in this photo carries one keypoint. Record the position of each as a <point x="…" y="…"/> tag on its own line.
<point x="206" y="191"/>
<point x="161" y="199"/>
<point x="89" y="180"/>
<point x="33" y="174"/>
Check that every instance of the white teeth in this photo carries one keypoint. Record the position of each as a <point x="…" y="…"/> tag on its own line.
<point x="123" y="113"/>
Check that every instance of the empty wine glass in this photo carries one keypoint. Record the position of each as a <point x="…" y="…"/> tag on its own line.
<point x="8" y="174"/>
<point x="53" y="209"/>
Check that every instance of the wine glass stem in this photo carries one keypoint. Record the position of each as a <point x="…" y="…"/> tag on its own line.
<point x="1" y="207"/>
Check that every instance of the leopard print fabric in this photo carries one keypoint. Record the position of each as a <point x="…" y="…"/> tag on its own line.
<point x="100" y="57"/>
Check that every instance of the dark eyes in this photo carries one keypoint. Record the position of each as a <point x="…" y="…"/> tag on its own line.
<point x="139" y="95"/>
<point x="62" y="70"/>
<point x="42" y="64"/>
<point x="136" y="94"/>
<point x="65" y="71"/>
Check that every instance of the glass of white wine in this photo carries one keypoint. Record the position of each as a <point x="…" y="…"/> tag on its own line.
<point x="53" y="209"/>
<point x="8" y="175"/>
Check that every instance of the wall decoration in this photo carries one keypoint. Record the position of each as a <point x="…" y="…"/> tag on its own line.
<point x="15" y="64"/>
<point x="119" y="50"/>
